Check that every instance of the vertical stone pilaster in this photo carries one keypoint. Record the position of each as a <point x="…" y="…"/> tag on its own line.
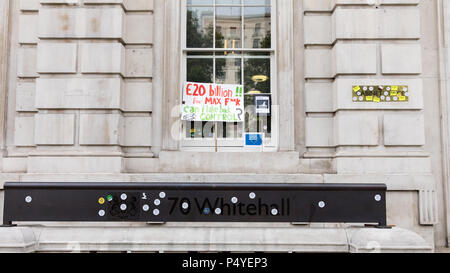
<point x="172" y="58"/>
<point x="285" y="67"/>
<point x="158" y="79"/>
<point x="443" y="21"/>
<point x="4" y="32"/>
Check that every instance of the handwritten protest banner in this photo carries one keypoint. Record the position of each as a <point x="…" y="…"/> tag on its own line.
<point x="213" y="102"/>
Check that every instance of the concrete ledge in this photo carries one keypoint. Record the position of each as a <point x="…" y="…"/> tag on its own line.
<point x="387" y="241"/>
<point x="202" y="239"/>
<point x="17" y="240"/>
<point x="234" y="238"/>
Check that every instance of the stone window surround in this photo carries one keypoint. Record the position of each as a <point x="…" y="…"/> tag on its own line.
<point x="284" y="63"/>
<point x="234" y="144"/>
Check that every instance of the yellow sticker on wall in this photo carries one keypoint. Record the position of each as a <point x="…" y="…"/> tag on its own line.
<point x="382" y="93"/>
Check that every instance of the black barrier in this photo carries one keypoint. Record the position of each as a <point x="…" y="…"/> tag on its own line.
<point x="186" y="202"/>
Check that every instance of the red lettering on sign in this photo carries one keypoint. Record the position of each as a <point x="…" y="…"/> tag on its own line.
<point x="188" y="90"/>
<point x="202" y="90"/>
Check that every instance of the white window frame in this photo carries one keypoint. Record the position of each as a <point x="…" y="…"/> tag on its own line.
<point x="232" y="145"/>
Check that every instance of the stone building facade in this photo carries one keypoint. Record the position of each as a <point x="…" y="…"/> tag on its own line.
<point x="90" y="91"/>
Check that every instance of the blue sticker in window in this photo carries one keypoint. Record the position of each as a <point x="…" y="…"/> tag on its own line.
<point x="253" y="139"/>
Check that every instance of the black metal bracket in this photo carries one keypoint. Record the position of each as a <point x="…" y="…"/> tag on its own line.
<point x="7" y="225"/>
<point x="185" y="202"/>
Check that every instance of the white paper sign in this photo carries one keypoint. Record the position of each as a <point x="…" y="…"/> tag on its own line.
<point x="213" y="102"/>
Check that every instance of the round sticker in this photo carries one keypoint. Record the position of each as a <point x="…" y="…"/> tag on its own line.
<point x="321" y="204"/>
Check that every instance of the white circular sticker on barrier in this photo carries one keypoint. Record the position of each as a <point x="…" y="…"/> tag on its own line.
<point x="146" y="207"/>
<point x="28" y="199"/>
<point x="321" y="204"/>
<point x="123" y="196"/>
<point x="123" y="207"/>
<point x="101" y="213"/>
<point x="378" y="198"/>
<point x="156" y="212"/>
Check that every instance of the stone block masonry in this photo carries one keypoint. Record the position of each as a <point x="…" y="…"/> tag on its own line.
<point x="84" y="81"/>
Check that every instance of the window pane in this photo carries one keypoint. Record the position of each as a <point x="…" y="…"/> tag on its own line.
<point x="255" y="123"/>
<point x="228" y="70"/>
<point x="228" y="27"/>
<point x="228" y="2"/>
<point x="257" y="2"/>
<point x="200" y="2"/>
<point x="230" y="53"/>
<point x="200" y="70"/>
<point x="230" y="130"/>
<point x="257" y="24"/>
<point x="199" y="29"/>
<point x="256" y="76"/>
<point x="199" y="129"/>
